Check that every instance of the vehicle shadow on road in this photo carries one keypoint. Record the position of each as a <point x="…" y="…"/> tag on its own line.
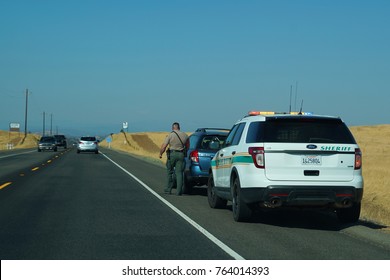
<point x="297" y="218"/>
<point x="305" y="219"/>
<point x="199" y="191"/>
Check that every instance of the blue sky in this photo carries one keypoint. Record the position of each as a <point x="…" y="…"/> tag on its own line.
<point x="92" y="65"/>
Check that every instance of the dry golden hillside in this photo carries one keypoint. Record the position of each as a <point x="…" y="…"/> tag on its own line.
<point x="373" y="140"/>
<point x="17" y="140"/>
<point x="142" y="144"/>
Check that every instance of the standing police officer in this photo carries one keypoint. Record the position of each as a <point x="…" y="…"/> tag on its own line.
<point x="177" y="142"/>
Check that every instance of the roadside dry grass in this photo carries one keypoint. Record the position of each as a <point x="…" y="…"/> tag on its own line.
<point x="374" y="142"/>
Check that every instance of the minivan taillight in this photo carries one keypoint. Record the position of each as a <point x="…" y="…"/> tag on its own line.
<point x="258" y="156"/>
<point x="358" y="159"/>
<point x="194" y="156"/>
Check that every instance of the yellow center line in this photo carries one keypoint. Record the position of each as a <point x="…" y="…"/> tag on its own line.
<point x="35" y="169"/>
<point x="49" y="161"/>
<point x="5" y="185"/>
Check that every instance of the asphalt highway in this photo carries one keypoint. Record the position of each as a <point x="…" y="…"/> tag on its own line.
<point x="68" y="206"/>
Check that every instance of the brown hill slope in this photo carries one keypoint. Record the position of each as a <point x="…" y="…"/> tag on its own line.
<point x="16" y="140"/>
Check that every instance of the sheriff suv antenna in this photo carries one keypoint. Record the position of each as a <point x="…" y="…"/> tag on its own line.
<point x="300" y="110"/>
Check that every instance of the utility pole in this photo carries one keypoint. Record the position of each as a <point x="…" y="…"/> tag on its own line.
<point x="43" y="130"/>
<point x="25" y="115"/>
<point x="289" y="110"/>
<point x="51" y="124"/>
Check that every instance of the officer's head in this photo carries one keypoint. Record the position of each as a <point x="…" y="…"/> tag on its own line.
<point x="176" y="126"/>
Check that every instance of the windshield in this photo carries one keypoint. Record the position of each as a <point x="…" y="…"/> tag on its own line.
<point x="46" y="139"/>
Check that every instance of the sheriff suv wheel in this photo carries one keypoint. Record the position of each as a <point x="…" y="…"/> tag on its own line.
<point x="213" y="199"/>
<point x="349" y="215"/>
<point x="241" y="211"/>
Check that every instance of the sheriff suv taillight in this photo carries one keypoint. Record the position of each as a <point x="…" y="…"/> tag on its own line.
<point x="258" y="156"/>
<point x="358" y="159"/>
<point x="194" y="155"/>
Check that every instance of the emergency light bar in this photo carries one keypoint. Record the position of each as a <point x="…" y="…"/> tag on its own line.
<point x="257" y="113"/>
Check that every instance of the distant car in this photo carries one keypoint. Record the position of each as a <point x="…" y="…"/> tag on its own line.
<point x="203" y="144"/>
<point x="61" y="141"/>
<point x="47" y="143"/>
<point x="88" y="144"/>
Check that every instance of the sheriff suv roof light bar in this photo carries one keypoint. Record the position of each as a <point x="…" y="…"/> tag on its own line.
<point x="265" y="113"/>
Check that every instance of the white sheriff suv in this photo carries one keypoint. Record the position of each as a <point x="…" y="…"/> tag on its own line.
<point x="288" y="160"/>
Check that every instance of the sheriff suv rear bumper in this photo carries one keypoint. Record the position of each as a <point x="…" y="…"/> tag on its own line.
<point x="303" y="196"/>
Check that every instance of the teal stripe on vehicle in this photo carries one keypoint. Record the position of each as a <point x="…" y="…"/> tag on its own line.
<point x="242" y="159"/>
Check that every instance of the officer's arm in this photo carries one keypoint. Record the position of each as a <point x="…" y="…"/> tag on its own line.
<point x="162" y="149"/>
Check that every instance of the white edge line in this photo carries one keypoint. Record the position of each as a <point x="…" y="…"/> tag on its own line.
<point x="211" y="237"/>
<point x="12" y="155"/>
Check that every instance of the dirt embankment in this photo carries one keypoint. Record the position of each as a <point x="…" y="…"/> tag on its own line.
<point x="142" y="144"/>
<point x="17" y="140"/>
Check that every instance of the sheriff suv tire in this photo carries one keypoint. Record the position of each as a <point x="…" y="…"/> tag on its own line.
<point x="241" y="211"/>
<point x="214" y="200"/>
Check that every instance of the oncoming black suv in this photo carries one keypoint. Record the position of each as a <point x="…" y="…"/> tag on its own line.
<point x="60" y="141"/>
<point x="203" y="144"/>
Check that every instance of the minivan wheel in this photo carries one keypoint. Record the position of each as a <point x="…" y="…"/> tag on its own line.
<point x="349" y="215"/>
<point x="241" y="211"/>
<point x="214" y="200"/>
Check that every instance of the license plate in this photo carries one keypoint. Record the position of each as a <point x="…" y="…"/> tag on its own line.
<point x="311" y="160"/>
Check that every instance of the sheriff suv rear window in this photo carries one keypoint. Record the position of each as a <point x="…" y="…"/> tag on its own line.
<point x="300" y="130"/>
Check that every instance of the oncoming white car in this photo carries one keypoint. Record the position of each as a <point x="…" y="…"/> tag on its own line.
<point x="288" y="160"/>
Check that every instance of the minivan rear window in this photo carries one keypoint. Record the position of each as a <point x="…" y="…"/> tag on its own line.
<point x="212" y="142"/>
<point x="300" y="130"/>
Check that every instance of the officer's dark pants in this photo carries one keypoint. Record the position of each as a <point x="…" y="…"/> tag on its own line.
<point x="175" y="165"/>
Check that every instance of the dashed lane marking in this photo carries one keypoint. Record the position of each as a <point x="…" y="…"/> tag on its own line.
<point x="5" y="185"/>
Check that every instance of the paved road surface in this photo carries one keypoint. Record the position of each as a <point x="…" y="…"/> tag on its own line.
<point x="110" y="206"/>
